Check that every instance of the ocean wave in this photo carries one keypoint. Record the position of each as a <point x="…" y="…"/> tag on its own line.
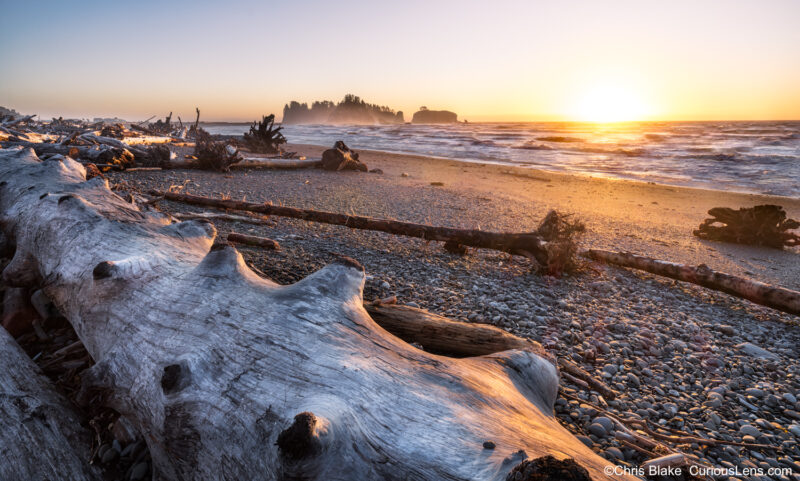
<point x="559" y="138"/>
<point x="752" y="157"/>
<point x="533" y="145"/>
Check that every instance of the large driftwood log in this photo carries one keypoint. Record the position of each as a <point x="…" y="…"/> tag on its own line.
<point x="252" y="162"/>
<point x="780" y="298"/>
<point x="527" y="244"/>
<point x="216" y="365"/>
<point x="40" y="435"/>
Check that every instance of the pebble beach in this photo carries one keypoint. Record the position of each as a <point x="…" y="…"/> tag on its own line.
<point x="684" y="359"/>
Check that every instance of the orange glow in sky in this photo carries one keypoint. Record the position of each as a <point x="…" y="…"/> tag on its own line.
<point x="518" y="60"/>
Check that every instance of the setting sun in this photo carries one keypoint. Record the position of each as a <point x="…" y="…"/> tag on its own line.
<point x="609" y="103"/>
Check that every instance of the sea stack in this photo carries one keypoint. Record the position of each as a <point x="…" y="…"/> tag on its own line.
<point x="425" y="116"/>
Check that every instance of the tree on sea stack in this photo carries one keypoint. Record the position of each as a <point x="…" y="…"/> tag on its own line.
<point x="231" y="376"/>
<point x="264" y="137"/>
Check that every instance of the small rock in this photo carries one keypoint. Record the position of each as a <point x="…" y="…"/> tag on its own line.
<point x="758" y="352"/>
<point x="489" y="445"/>
<point x="615" y="452"/>
<point x="750" y="430"/>
<point x="607" y="424"/>
<point x="598" y="430"/>
<point x="404" y="174"/>
<point x="139" y="471"/>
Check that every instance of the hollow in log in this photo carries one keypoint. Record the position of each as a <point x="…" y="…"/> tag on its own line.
<point x="213" y="363"/>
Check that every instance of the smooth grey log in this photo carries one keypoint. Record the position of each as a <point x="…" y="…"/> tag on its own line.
<point x="215" y="365"/>
<point x="40" y="434"/>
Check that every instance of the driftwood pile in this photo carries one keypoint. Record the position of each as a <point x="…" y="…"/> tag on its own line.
<point x="120" y="146"/>
<point x="232" y="376"/>
<point x="762" y="225"/>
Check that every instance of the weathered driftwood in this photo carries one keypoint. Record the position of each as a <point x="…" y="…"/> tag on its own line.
<point x="341" y="157"/>
<point x="780" y="298"/>
<point x="250" y="162"/>
<point x="264" y="137"/>
<point x="102" y="154"/>
<point x="527" y="244"/>
<point x="441" y="335"/>
<point x="252" y="240"/>
<point x="214" y="363"/>
<point x="18" y="312"/>
<point x="40" y="435"/>
<point x="762" y="225"/>
<point x="212" y="154"/>
<point x="212" y="216"/>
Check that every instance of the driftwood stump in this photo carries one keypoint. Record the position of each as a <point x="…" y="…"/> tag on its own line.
<point x="762" y="225"/>
<point x="341" y="157"/>
<point x="231" y="376"/>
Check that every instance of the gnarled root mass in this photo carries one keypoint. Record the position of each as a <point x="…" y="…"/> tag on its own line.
<point x="762" y="225"/>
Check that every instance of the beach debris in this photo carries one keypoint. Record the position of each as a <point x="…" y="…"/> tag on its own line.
<point x="214" y="154"/>
<point x="561" y="232"/>
<point x="272" y="348"/>
<point x="528" y="244"/>
<point x="264" y="137"/>
<point x="776" y="297"/>
<point x="341" y="157"/>
<point x="762" y="225"/>
<point x="252" y="240"/>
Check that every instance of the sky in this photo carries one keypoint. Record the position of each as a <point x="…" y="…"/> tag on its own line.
<point x="488" y="61"/>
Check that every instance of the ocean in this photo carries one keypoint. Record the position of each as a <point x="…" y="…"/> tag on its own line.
<point x="753" y="157"/>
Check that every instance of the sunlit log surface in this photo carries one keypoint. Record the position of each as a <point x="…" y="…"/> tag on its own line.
<point x="213" y="363"/>
<point x="40" y="435"/>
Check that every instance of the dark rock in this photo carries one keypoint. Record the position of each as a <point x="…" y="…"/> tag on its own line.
<point x="425" y="116"/>
<point x="489" y="445"/>
<point x="340" y="157"/>
<point x="548" y="468"/>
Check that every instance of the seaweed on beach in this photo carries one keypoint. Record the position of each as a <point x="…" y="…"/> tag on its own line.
<point x="264" y="137"/>
<point x="561" y="232"/>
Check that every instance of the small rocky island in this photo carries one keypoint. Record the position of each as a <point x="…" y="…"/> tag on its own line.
<point x="425" y="116"/>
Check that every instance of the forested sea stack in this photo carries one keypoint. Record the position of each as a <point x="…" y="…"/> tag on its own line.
<point x="351" y="110"/>
<point x="425" y="116"/>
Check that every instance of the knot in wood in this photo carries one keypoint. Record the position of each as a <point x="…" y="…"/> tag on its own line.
<point x="298" y="440"/>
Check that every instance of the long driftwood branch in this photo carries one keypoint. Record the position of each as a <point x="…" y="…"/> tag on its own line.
<point x="234" y="377"/>
<point x="445" y="336"/>
<point x="527" y="244"/>
<point x="40" y="435"/>
<point x="780" y="298"/>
